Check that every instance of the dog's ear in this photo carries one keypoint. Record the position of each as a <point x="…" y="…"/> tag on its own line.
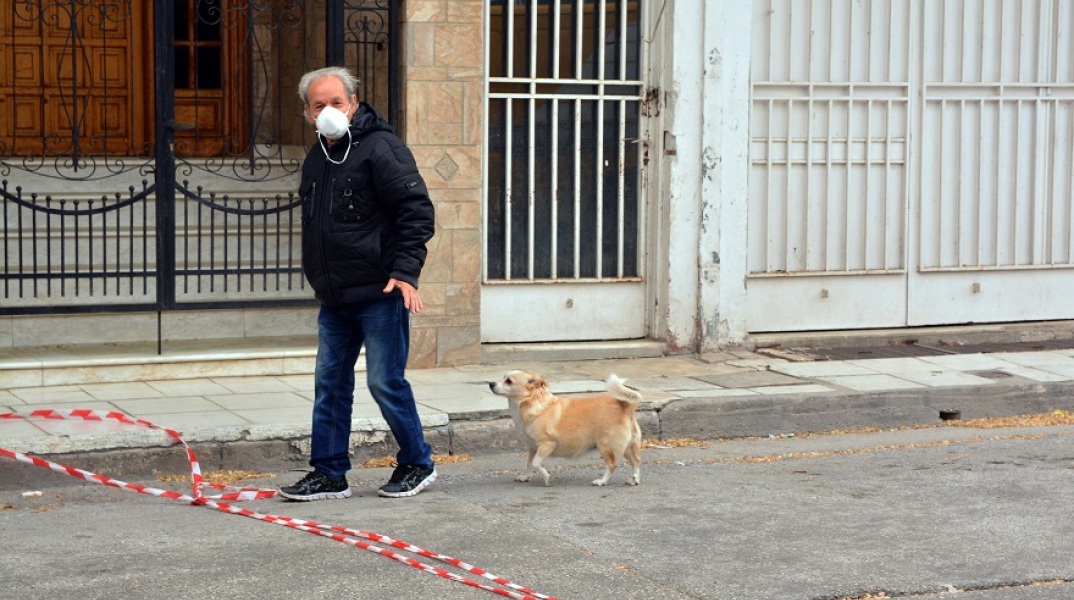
<point x="536" y="381"/>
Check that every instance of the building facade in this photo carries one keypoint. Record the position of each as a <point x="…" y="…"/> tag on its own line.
<point x="686" y="171"/>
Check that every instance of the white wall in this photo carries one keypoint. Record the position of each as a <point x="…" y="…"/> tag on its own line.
<point x="700" y="167"/>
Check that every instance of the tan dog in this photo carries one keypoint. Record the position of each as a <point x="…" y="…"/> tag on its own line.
<point x="569" y="427"/>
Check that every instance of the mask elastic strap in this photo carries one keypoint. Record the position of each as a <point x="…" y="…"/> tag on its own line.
<point x="346" y="153"/>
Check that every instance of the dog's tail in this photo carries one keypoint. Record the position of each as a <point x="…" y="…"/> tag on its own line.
<point x="620" y="391"/>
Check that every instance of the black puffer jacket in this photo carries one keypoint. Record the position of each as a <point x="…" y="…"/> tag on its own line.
<point x="366" y="220"/>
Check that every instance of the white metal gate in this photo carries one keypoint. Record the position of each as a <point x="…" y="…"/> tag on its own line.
<point x="563" y="192"/>
<point x="910" y="163"/>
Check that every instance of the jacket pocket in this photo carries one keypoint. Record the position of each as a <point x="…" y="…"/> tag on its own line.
<point x="349" y="203"/>
<point x="308" y="196"/>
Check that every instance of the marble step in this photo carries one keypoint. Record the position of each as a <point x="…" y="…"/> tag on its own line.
<point x="144" y="361"/>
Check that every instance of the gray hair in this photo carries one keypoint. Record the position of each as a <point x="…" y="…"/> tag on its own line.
<point x="350" y="82"/>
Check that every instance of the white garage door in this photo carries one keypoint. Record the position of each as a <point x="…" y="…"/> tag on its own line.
<point x="910" y="163"/>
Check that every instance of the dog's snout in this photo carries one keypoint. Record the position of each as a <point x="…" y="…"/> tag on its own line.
<point x="492" y="386"/>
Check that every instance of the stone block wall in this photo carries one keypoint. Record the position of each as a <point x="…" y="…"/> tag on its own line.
<point x="443" y="62"/>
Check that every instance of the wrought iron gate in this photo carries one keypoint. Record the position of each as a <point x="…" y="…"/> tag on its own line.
<point x="155" y="169"/>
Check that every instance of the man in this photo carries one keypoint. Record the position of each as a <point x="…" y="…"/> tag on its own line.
<point x="366" y="219"/>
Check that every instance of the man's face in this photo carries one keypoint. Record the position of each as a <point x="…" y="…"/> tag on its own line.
<point x="329" y="91"/>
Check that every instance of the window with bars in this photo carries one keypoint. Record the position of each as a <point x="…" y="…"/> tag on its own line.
<point x="564" y="103"/>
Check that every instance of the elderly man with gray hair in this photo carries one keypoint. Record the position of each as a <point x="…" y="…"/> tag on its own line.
<point x="366" y="220"/>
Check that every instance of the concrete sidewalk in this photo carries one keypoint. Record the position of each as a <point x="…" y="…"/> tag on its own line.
<point x="713" y="395"/>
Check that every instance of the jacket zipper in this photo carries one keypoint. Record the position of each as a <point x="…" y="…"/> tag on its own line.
<point x="321" y="229"/>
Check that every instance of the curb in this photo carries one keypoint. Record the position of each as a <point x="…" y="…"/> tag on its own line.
<point x="272" y="448"/>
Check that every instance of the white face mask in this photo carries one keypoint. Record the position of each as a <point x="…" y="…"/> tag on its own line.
<point x="332" y="123"/>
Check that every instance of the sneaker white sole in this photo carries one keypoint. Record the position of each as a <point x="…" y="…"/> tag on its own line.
<point x="414" y="492"/>
<point x="322" y="496"/>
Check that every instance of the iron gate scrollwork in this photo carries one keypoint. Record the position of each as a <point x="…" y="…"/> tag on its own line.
<point x="156" y="169"/>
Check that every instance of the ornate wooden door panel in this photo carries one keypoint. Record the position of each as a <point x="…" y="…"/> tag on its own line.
<point x="211" y="79"/>
<point x="96" y="45"/>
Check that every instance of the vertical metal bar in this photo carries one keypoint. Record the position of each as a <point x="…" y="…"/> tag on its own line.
<point x="200" y="241"/>
<point x="868" y="173"/>
<point x="808" y="173"/>
<point x="63" y="249"/>
<point x="577" y="187"/>
<point x="395" y="26"/>
<point x="253" y="248"/>
<point x="1015" y="201"/>
<point x="165" y="159"/>
<point x="89" y="247"/>
<point x="225" y="259"/>
<point x="531" y="183"/>
<point x="943" y="43"/>
<point x="765" y="247"/>
<point x="48" y="245"/>
<point x="785" y="226"/>
<point x="808" y="75"/>
<point x="620" y="195"/>
<point x="186" y="246"/>
<point x="938" y="245"/>
<point x="130" y="246"/>
<point x="981" y="235"/>
<point x="999" y="175"/>
<point x="890" y="76"/>
<point x="509" y="10"/>
<point x="557" y="9"/>
<point x="623" y="38"/>
<point x="1001" y="53"/>
<point x="829" y="144"/>
<point x="119" y="265"/>
<point x="981" y="47"/>
<point x="334" y="22"/>
<point x="961" y="195"/>
<point x="508" y="184"/>
<point x="771" y="74"/>
<point x="212" y="250"/>
<point x="145" y="254"/>
<point x="7" y="239"/>
<point x="850" y="41"/>
<point x="885" y="201"/>
<point x="868" y="43"/>
<point x="531" y="167"/>
<point x="849" y="171"/>
<point x="554" y="192"/>
<point x="962" y="51"/>
<point x="1070" y="188"/>
<point x="600" y="38"/>
<point x="579" y="24"/>
<point x="486" y="201"/>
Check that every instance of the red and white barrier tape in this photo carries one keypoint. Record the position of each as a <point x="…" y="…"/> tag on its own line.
<point x="352" y="537"/>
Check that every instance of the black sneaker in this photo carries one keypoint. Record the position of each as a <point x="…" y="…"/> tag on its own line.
<point x="316" y="486"/>
<point x="407" y="480"/>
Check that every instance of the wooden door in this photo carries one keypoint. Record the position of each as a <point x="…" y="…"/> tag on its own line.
<point x="77" y="79"/>
<point x="72" y="79"/>
<point x="211" y="78"/>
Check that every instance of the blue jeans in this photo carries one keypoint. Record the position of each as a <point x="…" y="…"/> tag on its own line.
<point x="383" y="326"/>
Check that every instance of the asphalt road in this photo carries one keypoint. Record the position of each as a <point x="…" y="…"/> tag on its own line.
<point x="935" y="513"/>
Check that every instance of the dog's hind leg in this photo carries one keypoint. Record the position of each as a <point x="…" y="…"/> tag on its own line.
<point x="609" y="466"/>
<point x="634" y="459"/>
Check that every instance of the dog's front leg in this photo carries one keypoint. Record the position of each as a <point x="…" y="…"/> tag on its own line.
<point x="529" y="470"/>
<point x="543" y="451"/>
